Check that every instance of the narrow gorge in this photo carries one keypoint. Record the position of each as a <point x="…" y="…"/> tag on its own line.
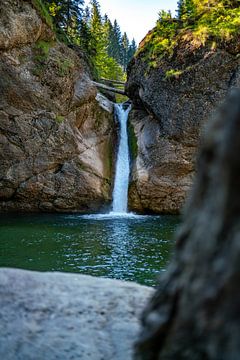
<point x="58" y="133"/>
<point x="107" y="150"/>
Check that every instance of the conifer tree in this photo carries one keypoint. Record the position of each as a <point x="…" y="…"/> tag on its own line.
<point x="66" y="14"/>
<point x="116" y="42"/>
<point x="95" y="24"/>
<point x="107" y="49"/>
<point x="110" y="38"/>
<point x="131" y="50"/>
<point x="85" y="36"/>
<point x="124" y="51"/>
<point x="186" y="9"/>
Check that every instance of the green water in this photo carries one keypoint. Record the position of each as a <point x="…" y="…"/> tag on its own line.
<point x="128" y="248"/>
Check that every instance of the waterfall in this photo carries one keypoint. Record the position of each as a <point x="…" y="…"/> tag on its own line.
<point x="120" y="191"/>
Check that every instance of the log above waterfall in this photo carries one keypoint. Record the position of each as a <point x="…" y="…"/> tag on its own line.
<point x="113" y="81"/>
<point x="109" y="88"/>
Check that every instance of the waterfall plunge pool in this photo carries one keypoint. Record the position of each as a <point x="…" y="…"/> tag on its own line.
<point x="135" y="248"/>
<point x="116" y="245"/>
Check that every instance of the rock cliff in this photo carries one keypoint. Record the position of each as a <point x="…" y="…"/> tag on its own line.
<point x="171" y="100"/>
<point x="56" y="132"/>
<point x="194" y="314"/>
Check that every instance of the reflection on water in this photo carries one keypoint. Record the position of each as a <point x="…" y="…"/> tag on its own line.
<point x="129" y="247"/>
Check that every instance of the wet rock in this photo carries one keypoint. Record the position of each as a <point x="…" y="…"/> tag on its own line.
<point x="68" y="316"/>
<point x="194" y="314"/>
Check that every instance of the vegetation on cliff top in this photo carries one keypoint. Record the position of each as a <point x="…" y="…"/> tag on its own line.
<point x="200" y="22"/>
<point x="107" y="49"/>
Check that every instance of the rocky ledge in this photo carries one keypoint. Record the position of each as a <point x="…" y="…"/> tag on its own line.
<point x="68" y="316"/>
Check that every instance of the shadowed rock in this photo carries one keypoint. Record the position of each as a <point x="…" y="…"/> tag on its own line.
<point x="194" y="314"/>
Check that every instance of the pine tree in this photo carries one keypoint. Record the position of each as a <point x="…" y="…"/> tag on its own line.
<point x="85" y="36"/>
<point x="107" y="50"/>
<point x="66" y="14"/>
<point x="111" y="39"/>
<point x="87" y="15"/>
<point x="180" y="9"/>
<point x="95" y="24"/>
<point x="131" y="50"/>
<point x="116" y="42"/>
<point x="186" y="9"/>
<point x="124" y="51"/>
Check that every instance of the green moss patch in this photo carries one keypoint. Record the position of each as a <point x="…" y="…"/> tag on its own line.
<point x="132" y="140"/>
<point x="59" y="118"/>
<point x="64" y="66"/>
<point x="43" y="12"/>
<point x="40" y="56"/>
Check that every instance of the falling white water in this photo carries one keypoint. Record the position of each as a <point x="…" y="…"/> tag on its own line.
<point x="120" y="191"/>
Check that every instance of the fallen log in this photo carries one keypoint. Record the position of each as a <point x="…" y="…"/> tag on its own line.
<point x="113" y="81"/>
<point x="112" y="89"/>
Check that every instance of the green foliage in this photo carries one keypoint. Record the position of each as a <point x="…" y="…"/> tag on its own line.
<point x="219" y="23"/>
<point x="59" y="118"/>
<point x="162" y="40"/>
<point x="121" y="98"/>
<point x="173" y="74"/>
<point x="42" y="48"/>
<point x="41" y="52"/>
<point x="107" y="50"/>
<point x="132" y="139"/>
<point x="66" y="15"/>
<point x="110" y="51"/>
<point x="43" y="11"/>
<point x="186" y="9"/>
<point x="201" y="22"/>
<point x="64" y="66"/>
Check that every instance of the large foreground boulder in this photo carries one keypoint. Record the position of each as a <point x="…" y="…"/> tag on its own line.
<point x="194" y="314"/>
<point x="67" y="316"/>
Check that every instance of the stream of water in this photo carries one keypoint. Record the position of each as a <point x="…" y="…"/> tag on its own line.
<point x="120" y="191"/>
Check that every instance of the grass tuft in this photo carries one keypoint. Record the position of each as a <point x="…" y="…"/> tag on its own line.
<point x="43" y="11"/>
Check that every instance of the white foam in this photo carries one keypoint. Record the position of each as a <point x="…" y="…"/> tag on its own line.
<point x="112" y="215"/>
<point x="120" y="190"/>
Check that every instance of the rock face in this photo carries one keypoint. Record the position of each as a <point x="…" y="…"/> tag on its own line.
<point x="194" y="314"/>
<point x="68" y="316"/>
<point x="166" y="120"/>
<point x="56" y="132"/>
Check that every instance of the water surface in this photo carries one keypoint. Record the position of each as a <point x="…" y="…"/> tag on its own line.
<point x="135" y="248"/>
